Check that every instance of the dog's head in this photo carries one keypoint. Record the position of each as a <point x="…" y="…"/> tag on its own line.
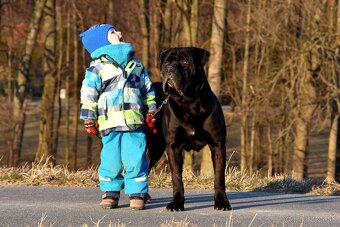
<point x="182" y="69"/>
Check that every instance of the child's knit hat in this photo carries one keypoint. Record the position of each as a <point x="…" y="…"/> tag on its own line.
<point x="96" y="37"/>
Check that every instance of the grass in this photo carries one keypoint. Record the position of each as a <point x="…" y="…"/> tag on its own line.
<point x="47" y="174"/>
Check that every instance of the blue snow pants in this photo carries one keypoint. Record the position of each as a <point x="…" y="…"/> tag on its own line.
<point x="124" y="150"/>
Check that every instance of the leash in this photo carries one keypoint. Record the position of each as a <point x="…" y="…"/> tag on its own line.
<point x="153" y="114"/>
<point x="165" y="101"/>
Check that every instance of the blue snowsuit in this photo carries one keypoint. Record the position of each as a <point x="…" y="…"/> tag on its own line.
<point x="118" y="92"/>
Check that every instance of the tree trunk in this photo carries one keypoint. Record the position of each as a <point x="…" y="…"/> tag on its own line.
<point x="154" y="12"/>
<point x="9" y="155"/>
<point x="244" y="103"/>
<point x="333" y="164"/>
<point x="216" y="48"/>
<point x="110" y="12"/>
<point x="145" y="33"/>
<point x="176" y="30"/>
<point x="190" y="25"/>
<point x="300" y="149"/>
<point x="20" y="98"/>
<point x="332" y="144"/>
<point x="310" y="64"/>
<point x="215" y="63"/>
<point x="194" y="22"/>
<point x="332" y="147"/>
<point x="75" y="88"/>
<point x="67" y="84"/>
<point x="337" y="158"/>
<point x="270" y="152"/>
<point x="89" y="151"/>
<point x="252" y="142"/>
<point x="45" y="147"/>
<point x="58" y="83"/>
<point x="188" y="163"/>
<point x="186" y="35"/>
<point x="207" y="168"/>
<point x="167" y="25"/>
<point x="282" y="142"/>
<point x="306" y="107"/>
<point x="331" y="12"/>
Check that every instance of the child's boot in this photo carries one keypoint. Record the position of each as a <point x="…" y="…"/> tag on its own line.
<point x="137" y="201"/>
<point x="110" y="200"/>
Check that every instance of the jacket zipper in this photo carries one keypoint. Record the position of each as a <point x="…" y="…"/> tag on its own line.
<point x="124" y="75"/>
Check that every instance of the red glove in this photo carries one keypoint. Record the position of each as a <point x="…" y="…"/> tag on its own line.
<point x="91" y="127"/>
<point x="150" y="122"/>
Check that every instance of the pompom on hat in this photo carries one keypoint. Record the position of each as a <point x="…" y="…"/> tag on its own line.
<point x="96" y="37"/>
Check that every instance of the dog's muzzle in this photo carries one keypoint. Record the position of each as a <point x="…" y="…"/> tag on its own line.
<point x="170" y="81"/>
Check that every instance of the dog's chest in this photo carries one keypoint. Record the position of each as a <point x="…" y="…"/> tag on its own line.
<point x="193" y="120"/>
<point x="192" y="110"/>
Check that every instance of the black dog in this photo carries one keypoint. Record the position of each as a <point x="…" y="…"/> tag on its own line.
<point x="191" y="119"/>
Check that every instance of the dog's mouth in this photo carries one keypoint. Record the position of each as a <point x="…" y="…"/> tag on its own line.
<point x="170" y="83"/>
<point x="171" y="87"/>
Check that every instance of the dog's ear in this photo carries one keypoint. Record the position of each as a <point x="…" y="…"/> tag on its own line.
<point x="201" y="56"/>
<point x="162" y="56"/>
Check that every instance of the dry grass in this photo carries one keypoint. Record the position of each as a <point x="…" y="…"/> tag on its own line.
<point x="173" y="223"/>
<point x="46" y="174"/>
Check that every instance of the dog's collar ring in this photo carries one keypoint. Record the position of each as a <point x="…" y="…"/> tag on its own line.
<point x="193" y="132"/>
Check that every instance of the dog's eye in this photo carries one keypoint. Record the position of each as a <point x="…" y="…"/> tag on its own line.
<point x="185" y="61"/>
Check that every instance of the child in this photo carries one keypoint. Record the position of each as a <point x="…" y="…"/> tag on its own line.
<point x="115" y="95"/>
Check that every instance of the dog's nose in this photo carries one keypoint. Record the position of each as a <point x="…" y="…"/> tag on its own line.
<point x="169" y="69"/>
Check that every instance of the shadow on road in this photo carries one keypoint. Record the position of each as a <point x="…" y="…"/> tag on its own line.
<point x="249" y="200"/>
<point x="244" y="200"/>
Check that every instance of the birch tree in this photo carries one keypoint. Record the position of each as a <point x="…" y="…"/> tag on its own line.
<point x="216" y="47"/>
<point x="244" y="102"/>
<point x="47" y="103"/>
<point x="215" y="64"/>
<point x="306" y="95"/>
<point x="334" y="136"/>
<point x="20" y="98"/>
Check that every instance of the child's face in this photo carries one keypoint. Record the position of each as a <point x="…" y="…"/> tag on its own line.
<point x="114" y="36"/>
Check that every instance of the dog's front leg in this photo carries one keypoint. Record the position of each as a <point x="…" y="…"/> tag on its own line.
<point x="175" y="159"/>
<point x="218" y="155"/>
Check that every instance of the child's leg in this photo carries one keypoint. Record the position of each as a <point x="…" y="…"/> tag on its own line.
<point x="110" y="169"/>
<point x="135" y="162"/>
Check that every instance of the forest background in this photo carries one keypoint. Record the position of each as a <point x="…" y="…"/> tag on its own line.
<point x="274" y="66"/>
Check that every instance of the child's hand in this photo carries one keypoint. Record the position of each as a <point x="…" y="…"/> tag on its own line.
<point x="91" y="127"/>
<point x="150" y="122"/>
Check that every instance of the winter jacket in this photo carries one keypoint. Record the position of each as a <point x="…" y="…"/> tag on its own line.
<point x="116" y="90"/>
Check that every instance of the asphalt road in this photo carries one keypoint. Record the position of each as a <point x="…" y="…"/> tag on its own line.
<point x="70" y="206"/>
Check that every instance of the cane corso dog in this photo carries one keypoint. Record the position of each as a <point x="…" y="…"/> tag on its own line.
<point x="191" y="119"/>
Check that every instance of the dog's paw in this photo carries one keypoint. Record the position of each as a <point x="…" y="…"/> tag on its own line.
<point x="222" y="205"/>
<point x="175" y="206"/>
